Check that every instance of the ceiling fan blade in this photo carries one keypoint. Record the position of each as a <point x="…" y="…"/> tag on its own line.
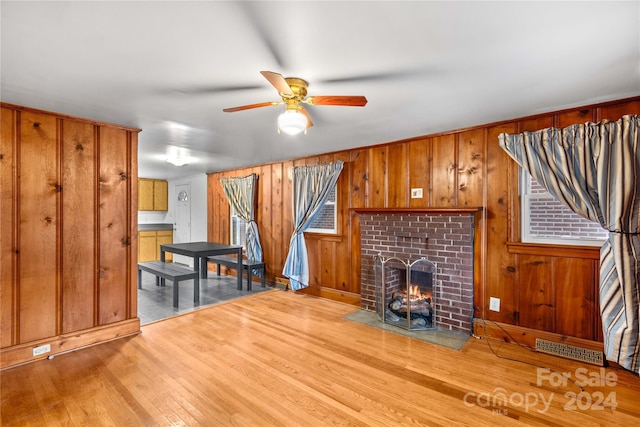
<point x="306" y="113"/>
<point x="349" y="101"/>
<point x="259" y="23"/>
<point x="278" y="82"/>
<point x="201" y="90"/>
<point x="250" y="106"/>
<point x="393" y="75"/>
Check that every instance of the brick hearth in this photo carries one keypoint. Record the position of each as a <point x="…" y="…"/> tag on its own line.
<point x="443" y="237"/>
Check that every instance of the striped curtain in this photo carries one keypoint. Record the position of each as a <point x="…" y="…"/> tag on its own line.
<point x="240" y="193"/>
<point x="311" y="188"/>
<point x="594" y="168"/>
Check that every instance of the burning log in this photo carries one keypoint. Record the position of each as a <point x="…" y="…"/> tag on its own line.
<point x="416" y="302"/>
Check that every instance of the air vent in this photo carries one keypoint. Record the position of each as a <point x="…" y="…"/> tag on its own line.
<point x="570" y="352"/>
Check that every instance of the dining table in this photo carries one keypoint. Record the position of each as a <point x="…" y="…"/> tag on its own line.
<point x="199" y="251"/>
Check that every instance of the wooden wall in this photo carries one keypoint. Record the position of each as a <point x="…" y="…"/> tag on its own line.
<point x="68" y="250"/>
<point x="544" y="288"/>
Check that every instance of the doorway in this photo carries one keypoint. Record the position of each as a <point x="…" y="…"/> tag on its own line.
<point x="182" y="222"/>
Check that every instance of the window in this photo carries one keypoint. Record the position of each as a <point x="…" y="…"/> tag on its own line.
<point x="238" y="230"/>
<point x="327" y="219"/>
<point x="547" y="220"/>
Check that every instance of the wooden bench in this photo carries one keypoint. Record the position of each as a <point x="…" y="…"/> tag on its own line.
<point x="247" y="265"/>
<point x="170" y="271"/>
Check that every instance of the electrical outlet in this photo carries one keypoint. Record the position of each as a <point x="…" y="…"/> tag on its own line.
<point x="416" y="193"/>
<point x="494" y="304"/>
<point x="37" y="351"/>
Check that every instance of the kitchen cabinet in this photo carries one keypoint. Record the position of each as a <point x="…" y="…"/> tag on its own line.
<point x="164" y="237"/>
<point x="149" y="242"/>
<point x="153" y="194"/>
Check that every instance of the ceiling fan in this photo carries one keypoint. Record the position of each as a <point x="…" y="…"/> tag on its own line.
<point x="293" y="92"/>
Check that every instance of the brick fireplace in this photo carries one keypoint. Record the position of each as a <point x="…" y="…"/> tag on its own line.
<point x="442" y="236"/>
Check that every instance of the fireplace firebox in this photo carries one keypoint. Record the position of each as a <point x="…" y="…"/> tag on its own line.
<point x="405" y="293"/>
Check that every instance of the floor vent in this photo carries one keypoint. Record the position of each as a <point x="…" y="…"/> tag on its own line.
<point x="570" y="352"/>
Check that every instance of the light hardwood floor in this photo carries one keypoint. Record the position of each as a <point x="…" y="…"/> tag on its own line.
<point x="285" y="359"/>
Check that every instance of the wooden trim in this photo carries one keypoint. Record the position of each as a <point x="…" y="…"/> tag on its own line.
<point x="327" y="237"/>
<point x="567" y="251"/>
<point x="23" y="353"/>
<point x="65" y="116"/>
<point x="333" y="294"/>
<point x="451" y="211"/>
<point x="527" y="337"/>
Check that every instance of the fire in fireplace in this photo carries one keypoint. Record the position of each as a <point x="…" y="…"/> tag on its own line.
<point x="405" y="292"/>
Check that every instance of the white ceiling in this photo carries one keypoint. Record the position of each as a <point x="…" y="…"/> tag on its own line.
<point x="170" y="67"/>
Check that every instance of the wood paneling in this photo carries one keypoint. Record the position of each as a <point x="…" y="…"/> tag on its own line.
<point x="287" y="215"/>
<point x="555" y="290"/>
<point x="499" y="265"/>
<point x="265" y="209"/>
<point x="572" y="117"/>
<point x="377" y="182"/>
<point x="358" y="178"/>
<point x="615" y="111"/>
<point x="39" y="277"/>
<point x="277" y="235"/>
<point x="398" y="176"/>
<point x="443" y="171"/>
<point x="79" y="159"/>
<point x="342" y="246"/>
<point x="576" y="306"/>
<point x="419" y="172"/>
<point x="114" y="227"/>
<point x="471" y="151"/>
<point x="536" y="292"/>
<point x="8" y="250"/>
<point x="68" y="240"/>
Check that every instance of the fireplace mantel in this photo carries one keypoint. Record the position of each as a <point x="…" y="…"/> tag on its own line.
<point x="452" y="211"/>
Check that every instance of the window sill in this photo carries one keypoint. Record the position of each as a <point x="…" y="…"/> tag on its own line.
<point x="329" y="237"/>
<point x="566" y="251"/>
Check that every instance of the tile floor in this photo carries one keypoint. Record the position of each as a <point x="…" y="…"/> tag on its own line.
<point x="156" y="302"/>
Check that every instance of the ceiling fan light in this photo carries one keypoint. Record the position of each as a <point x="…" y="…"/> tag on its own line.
<point x="178" y="161"/>
<point x="178" y="156"/>
<point x="292" y="122"/>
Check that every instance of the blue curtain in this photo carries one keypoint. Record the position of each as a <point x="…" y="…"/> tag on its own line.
<point x="240" y="193"/>
<point x="311" y="188"/>
<point x="594" y="168"/>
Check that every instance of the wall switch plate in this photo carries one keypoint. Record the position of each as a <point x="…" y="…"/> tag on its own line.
<point x="37" y="351"/>
<point x="494" y="304"/>
<point x="416" y="193"/>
